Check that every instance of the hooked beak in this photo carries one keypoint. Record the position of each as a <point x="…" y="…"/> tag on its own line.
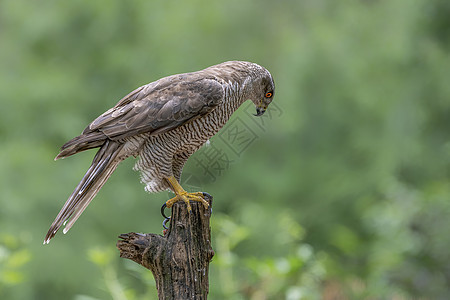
<point x="259" y="111"/>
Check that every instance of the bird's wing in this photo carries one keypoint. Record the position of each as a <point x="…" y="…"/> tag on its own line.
<point x="160" y="106"/>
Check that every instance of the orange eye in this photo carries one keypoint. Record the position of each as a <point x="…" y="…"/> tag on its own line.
<point x="268" y="94"/>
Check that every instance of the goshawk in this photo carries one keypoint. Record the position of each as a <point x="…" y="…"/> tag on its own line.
<point x="163" y="123"/>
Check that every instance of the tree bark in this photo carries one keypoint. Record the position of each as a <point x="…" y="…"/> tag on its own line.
<point x="180" y="259"/>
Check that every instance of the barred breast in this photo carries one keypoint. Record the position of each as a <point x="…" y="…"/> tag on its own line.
<point x="165" y="154"/>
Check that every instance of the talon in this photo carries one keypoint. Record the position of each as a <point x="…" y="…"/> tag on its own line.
<point x="182" y="195"/>
<point x="186" y="198"/>
<point x="166" y="218"/>
<point x="165" y="222"/>
<point x="163" y="207"/>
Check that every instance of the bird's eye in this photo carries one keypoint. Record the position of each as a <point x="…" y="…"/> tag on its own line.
<point x="268" y="94"/>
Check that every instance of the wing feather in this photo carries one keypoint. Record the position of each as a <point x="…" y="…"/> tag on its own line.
<point x="154" y="108"/>
<point x="160" y="106"/>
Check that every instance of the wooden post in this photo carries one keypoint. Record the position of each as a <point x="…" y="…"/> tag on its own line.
<point x="180" y="259"/>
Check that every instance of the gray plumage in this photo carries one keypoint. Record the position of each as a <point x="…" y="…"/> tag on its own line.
<point x="163" y="123"/>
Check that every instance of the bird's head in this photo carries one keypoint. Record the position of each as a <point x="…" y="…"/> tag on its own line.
<point x="255" y="82"/>
<point x="262" y="91"/>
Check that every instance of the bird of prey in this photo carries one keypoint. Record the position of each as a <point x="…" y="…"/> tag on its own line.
<point x="163" y="123"/>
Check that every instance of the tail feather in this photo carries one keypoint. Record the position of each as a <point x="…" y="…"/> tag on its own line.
<point x="103" y="165"/>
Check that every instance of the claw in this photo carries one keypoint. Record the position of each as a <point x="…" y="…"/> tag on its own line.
<point x="207" y="195"/>
<point x="163" y="207"/>
<point x="186" y="198"/>
<point x="165" y="222"/>
<point x="182" y="195"/>
<point x="166" y="218"/>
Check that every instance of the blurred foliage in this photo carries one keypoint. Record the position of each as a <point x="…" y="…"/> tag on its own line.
<point x="343" y="195"/>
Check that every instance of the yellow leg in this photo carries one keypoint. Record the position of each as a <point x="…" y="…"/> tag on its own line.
<point x="182" y="195"/>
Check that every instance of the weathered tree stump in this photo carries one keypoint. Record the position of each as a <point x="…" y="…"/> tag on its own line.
<point x="180" y="259"/>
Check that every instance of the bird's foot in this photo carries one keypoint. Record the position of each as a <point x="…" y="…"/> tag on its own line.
<point x="186" y="197"/>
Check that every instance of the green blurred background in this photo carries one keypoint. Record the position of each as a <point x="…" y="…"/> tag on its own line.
<point x="340" y="192"/>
